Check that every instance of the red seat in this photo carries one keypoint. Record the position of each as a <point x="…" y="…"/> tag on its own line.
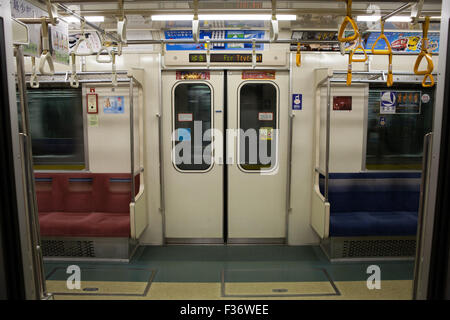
<point x="84" y="204"/>
<point x="81" y="224"/>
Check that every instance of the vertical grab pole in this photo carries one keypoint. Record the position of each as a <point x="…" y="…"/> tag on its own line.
<point x="133" y="187"/>
<point x="427" y="143"/>
<point x="27" y="167"/>
<point x="289" y="156"/>
<point x="327" y="147"/>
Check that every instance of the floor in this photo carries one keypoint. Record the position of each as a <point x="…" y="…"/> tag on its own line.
<point x="230" y="272"/>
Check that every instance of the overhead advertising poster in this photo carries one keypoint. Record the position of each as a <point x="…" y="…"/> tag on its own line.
<point x="217" y="35"/>
<point x="258" y="75"/>
<point x="91" y="37"/>
<point x="328" y="35"/>
<point x="401" y="42"/>
<point x="23" y="9"/>
<point x="192" y="75"/>
<point x="59" y="42"/>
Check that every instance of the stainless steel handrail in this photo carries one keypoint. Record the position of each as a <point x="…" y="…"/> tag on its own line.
<point x="29" y="183"/>
<point x="327" y="147"/>
<point x="421" y="218"/>
<point x="133" y="187"/>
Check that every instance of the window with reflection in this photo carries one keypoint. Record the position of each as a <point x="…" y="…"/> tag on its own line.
<point x="258" y="123"/>
<point x="56" y="126"/>
<point x="396" y="129"/>
<point x="192" y="106"/>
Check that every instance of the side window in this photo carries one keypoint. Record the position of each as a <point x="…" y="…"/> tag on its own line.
<point x="258" y="123"/>
<point x="56" y="125"/>
<point x="192" y="112"/>
<point x="398" y="120"/>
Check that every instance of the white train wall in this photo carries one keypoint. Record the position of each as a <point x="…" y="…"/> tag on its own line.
<point x="346" y="154"/>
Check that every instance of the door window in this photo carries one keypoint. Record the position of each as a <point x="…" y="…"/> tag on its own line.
<point x="192" y="118"/>
<point x="258" y="123"/>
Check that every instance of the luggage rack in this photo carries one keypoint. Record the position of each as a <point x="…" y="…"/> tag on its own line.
<point x="84" y="77"/>
<point x="373" y="77"/>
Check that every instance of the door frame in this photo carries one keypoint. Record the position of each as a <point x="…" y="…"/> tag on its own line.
<point x="225" y="71"/>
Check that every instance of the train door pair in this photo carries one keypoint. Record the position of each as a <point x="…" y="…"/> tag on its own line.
<point x="225" y="140"/>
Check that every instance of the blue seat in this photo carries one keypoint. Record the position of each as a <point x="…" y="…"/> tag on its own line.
<point x="373" y="204"/>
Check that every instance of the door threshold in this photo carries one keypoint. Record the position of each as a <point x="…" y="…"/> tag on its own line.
<point x="247" y="241"/>
<point x="196" y="241"/>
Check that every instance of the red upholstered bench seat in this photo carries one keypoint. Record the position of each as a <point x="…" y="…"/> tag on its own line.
<point x="80" y="224"/>
<point x="84" y="204"/>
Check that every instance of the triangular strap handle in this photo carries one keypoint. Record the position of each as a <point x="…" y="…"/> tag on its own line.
<point x="46" y="57"/>
<point x="344" y="24"/>
<point x="429" y="84"/>
<point x="88" y="46"/>
<point x="389" y="48"/>
<point x="105" y="59"/>
<point x="430" y="65"/>
<point x="359" y="47"/>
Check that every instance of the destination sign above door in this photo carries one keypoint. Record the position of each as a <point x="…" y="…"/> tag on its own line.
<point x="224" y="57"/>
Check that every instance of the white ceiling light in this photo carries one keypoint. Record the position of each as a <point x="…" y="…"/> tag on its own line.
<point x="391" y="19"/>
<point x="188" y="17"/>
<point x="88" y="18"/>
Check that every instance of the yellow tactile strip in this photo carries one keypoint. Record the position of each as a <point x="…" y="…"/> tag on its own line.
<point x="349" y="290"/>
<point x="102" y="288"/>
<point x="277" y="289"/>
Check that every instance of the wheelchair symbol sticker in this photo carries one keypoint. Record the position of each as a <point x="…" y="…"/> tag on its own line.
<point x="297" y="102"/>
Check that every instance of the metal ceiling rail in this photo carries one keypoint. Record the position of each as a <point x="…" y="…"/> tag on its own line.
<point x="187" y="41"/>
<point x="393" y="13"/>
<point x="90" y="24"/>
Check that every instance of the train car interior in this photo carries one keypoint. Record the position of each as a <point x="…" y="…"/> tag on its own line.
<point x="267" y="149"/>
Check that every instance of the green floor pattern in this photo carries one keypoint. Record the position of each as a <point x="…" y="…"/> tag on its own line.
<point x="241" y="264"/>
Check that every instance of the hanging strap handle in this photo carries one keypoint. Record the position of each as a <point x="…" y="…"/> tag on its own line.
<point x="114" y="71"/>
<point x="426" y="84"/>
<point x="382" y="37"/>
<point x="208" y="52"/>
<point x="430" y="65"/>
<point x="390" y="76"/>
<point x="359" y="47"/>
<point x="105" y="59"/>
<point x="298" y="57"/>
<point x="388" y="51"/>
<point x="74" y="82"/>
<point x="81" y="40"/>
<point x="45" y="55"/>
<point x="424" y="52"/>
<point x="348" y="19"/>
<point x="104" y="48"/>
<point x="253" y="53"/>
<point x="349" y="70"/>
<point x="34" y="83"/>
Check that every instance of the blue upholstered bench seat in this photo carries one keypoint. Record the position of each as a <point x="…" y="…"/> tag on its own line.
<point x="358" y="224"/>
<point x="373" y="203"/>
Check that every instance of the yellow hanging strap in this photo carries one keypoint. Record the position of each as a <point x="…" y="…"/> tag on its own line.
<point x="352" y="59"/>
<point x="388" y="51"/>
<point x="298" y="57"/>
<point x="359" y="47"/>
<point x="424" y="52"/>
<point x="349" y="70"/>
<point x="348" y="19"/>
